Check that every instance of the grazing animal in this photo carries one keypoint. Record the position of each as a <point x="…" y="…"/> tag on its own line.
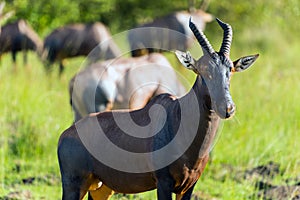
<point x="79" y="40"/>
<point x="169" y="32"/>
<point x="180" y="133"/>
<point x="122" y="83"/>
<point x="19" y="36"/>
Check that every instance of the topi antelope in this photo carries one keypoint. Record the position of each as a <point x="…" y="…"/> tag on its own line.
<point x="79" y="40"/>
<point x="122" y="83"/>
<point x="167" y="144"/>
<point x="19" y="36"/>
<point x="169" y="32"/>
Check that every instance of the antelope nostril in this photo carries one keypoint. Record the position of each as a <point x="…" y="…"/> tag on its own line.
<point x="230" y="109"/>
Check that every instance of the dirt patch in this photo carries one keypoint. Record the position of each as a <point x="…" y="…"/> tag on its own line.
<point x="198" y="195"/>
<point x="268" y="191"/>
<point x="47" y="179"/>
<point x="16" y="195"/>
<point x="267" y="171"/>
<point x="263" y="176"/>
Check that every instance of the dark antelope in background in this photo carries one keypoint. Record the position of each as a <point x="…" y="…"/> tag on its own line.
<point x="170" y="32"/>
<point x="195" y="117"/>
<point x="122" y="83"/>
<point x="19" y="36"/>
<point x="79" y="40"/>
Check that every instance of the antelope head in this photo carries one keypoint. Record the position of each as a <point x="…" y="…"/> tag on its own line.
<point x="216" y="68"/>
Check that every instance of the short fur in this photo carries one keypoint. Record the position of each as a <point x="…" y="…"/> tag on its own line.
<point x="195" y="115"/>
<point x="111" y="84"/>
<point x="79" y="40"/>
<point x="166" y="33"/>
<point x="19" y="36"/>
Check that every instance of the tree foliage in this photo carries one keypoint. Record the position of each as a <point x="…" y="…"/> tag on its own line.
<point x="45" y="15"/>
<point x="119" y="15"/>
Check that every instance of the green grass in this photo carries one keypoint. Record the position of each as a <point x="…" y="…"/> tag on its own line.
<point x="35" y="109"/>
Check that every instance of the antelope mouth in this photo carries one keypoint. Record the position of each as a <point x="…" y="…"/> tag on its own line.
<point x="225" y="113"/>
<point x="229" y="114"/>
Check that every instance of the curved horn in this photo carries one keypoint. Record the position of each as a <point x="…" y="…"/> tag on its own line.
<point x="227" y="38"/>
<point x="201" y="38"/>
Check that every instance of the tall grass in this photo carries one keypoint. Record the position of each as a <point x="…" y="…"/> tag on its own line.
<point x="34" y="108"/>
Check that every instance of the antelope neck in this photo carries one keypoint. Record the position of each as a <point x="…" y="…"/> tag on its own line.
<point x="208" y="121"/>
<point x="202" y="93"/>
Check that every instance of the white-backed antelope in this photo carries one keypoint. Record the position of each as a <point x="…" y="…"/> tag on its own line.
<point x="122" y="83"/>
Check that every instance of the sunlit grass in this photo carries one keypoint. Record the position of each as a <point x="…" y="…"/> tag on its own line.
<point x="35" y="109"/>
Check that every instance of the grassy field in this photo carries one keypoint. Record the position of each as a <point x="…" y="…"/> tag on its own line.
<point x="35" y="109"/>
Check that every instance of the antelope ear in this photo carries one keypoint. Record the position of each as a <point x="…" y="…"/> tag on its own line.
<point x="186" y="59"/>
<point x="244" y="63"/>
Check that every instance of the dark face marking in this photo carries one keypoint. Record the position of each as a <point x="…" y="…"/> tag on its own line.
<point x="216" y="70"/>
<point x="222" y="61"/>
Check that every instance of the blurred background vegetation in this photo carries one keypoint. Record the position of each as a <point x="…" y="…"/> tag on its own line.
<point x="273" y="18"/>
<point x="122" y="15"/>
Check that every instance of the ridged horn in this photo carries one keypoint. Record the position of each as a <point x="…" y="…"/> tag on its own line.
<point x="227" y="37"/>
<point x="201" y="38"/>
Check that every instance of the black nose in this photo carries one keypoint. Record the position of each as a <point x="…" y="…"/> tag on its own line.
<point x="230" y="110"/>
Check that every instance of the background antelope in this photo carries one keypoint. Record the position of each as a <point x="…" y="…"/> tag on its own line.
<point x="122" y="83"/>
<point x="79" y="40"/>
<point x="177" y="134"/>
<point x="19" y="36"/>
<point x="169" y="32"/>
